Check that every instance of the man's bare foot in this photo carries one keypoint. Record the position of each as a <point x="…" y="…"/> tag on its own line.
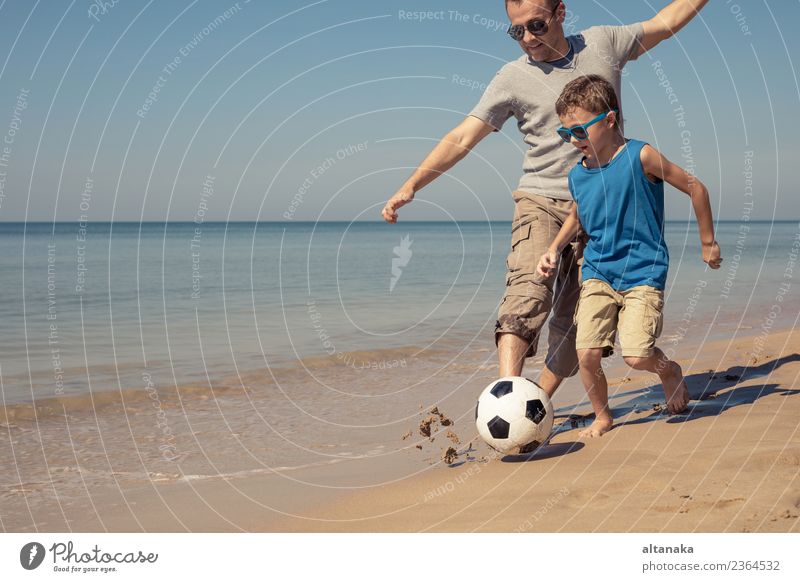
<point x="600" y="426"/>
<point x="675" y="390"/>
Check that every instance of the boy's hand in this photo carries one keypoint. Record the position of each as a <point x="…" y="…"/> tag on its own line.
<point x="401" y="198"/>
<point x="712" y="255"/>
<point x="547" y="263"/>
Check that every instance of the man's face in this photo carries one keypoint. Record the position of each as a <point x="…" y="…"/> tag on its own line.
<point x="539" y="48"/>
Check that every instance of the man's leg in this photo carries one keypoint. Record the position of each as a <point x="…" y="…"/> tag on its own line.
<point x="562" y="359"/>
<point x="549" y="381"/>
<point x="529" y="298"/>
<point x="511" y="350"/>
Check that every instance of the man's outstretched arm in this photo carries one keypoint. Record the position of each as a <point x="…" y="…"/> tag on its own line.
<point x="668" y="22"/>
<point x="447" y="153"/>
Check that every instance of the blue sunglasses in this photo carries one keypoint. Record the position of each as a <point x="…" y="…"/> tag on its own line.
<point x="581" y="132"/>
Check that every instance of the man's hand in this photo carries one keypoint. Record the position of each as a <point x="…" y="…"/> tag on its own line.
<point x="547" y="263"/>
<point x="712" y="255"/>
<point x="450" y="149"/>
<point x="400" y="199"/>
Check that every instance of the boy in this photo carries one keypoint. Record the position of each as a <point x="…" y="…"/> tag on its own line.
<point x="618" y="189"/>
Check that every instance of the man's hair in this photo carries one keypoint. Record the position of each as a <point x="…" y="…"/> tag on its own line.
<point x="590" y="92"/>
<point x="551" y="3"/>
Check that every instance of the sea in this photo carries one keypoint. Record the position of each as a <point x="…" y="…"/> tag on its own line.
<point x="94" y="307"/>
<point x="180" y="351"/>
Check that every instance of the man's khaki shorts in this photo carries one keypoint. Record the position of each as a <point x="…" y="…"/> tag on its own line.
<point x="636" y="313"/>
<point x="529" y="298"/>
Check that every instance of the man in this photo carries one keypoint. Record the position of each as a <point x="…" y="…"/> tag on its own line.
<point x="527" y="89"/>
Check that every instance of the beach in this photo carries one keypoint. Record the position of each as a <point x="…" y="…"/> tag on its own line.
<point x="732" y="464"/>
<point x="302" y="403"/>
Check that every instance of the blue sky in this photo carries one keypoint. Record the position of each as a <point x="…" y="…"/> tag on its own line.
<point x="319" y="110"/>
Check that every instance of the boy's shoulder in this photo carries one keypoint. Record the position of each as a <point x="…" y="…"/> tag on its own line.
<point x="635" y="146"/>
<point x="645" y="152"/>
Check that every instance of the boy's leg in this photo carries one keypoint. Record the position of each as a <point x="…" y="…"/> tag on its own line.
<point x="671" y="375"/>
<point x="640" y="322"/>
<point x="596" y="319"/>
<point x="594" y="379"/>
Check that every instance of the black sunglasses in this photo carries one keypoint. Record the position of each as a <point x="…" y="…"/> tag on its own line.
<point x="535" y="27"/>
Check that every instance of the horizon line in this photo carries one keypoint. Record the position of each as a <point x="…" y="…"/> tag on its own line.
<point x="288" y="222"/>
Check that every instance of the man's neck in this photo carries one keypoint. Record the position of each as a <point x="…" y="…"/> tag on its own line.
<point x="561" y="50"/>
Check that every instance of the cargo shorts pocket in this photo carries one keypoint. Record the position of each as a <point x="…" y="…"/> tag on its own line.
<point x="520" y="259"/>
<point x="654" y="313"/>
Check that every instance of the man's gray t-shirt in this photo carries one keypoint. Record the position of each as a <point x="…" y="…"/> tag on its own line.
<point x="528" y="90"/>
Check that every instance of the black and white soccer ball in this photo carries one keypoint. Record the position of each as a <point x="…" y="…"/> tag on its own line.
<point x="514" y="415"/>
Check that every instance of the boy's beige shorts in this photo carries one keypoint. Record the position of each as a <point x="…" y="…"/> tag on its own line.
<point x="636" y="313"/>
<point x="528" y="298"/>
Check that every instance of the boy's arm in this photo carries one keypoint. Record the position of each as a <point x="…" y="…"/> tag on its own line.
<point x="549" y="260"/>
<point x="657" y="166"/>
<point x="668" y="22"/>
<point x="452" y="148"/>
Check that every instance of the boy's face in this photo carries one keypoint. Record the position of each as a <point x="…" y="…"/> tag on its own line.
<point x="600" y="134"/>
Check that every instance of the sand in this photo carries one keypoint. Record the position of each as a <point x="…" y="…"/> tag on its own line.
<point x="732" y="464"/>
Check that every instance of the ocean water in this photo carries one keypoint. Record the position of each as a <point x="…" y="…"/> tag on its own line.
<point x="137" y="354"/>
<point x="103" y="307"/>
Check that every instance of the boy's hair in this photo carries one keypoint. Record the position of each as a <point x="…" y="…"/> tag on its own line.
<point x="590" y="92"/>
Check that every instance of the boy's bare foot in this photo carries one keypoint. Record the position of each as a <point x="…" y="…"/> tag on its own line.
<point x="675" y="390"/>
<point x="600" y="426"/>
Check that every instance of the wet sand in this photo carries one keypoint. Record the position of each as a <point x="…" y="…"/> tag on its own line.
<point x="731" y="464"/>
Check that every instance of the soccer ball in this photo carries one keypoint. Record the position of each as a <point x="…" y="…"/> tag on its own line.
<point x="514" y="415"/>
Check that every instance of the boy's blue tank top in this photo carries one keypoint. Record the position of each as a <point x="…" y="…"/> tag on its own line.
<point x="622" y="212"/>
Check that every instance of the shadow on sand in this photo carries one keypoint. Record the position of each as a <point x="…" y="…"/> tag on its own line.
<point x="546" y="451"/>
<point x="704" y="391"/>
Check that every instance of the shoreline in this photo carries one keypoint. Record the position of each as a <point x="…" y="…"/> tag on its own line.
<point x="732" y="464"/>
